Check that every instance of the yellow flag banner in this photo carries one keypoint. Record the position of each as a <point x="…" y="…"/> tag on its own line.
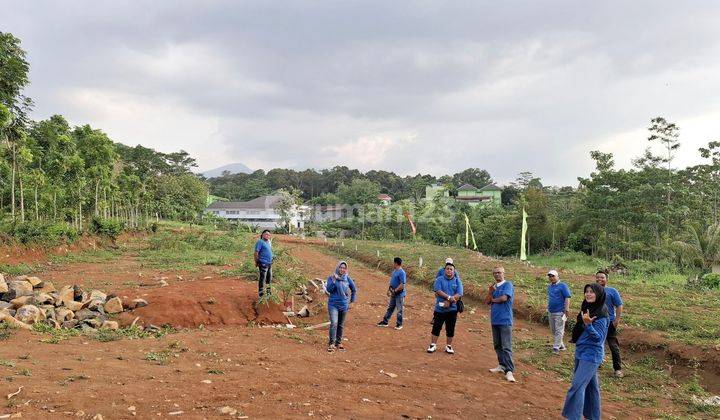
<point x="469" y="233"/>
<point x="523" y="255"/>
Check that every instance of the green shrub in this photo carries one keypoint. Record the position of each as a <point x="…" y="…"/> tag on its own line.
<point x="710" y="281"/>
<point x="111" y="228"/>
<point x="40" y="232"/>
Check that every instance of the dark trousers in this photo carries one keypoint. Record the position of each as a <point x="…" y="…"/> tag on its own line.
<point x="614" y="347"/>
<point x="502" y="342"/>
<point x="396" y="302"/>
<point x="264" y="279"/>
<point x="447" y="318"/>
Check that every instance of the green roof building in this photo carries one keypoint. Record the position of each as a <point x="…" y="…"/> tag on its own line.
<point x="489" y="195"/>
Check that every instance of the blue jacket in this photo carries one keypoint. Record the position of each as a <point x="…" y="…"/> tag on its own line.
<point x="341" y="292"/>
<point x="591" y="344"/>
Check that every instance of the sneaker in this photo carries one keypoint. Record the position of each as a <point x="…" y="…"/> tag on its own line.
<point x="449" y="349"/>
<point x="509" y="376"/>
<point x="556" y="351"/>
<point x="432" y="348"/>
<point x="398" y="327"/>
<point x="331" y="348"/>
<point x="563" y="348"/>
<point x="340" y="347"/>
<point x="498" y="369"/>
<point x="619" y="374"/>
<point x="382" y="324"/>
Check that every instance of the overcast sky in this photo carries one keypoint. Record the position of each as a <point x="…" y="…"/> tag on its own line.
<point x="425" y="86"/>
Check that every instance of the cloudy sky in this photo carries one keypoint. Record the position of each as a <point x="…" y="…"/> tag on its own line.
<point x="423" y="86"/>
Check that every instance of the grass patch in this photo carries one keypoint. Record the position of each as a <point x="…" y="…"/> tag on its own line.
<point x="194" y="248"/>
<point x="7" y="363"/>
<point x="6" y="331"/>
<point x="576" y="262"/>
<point x="18" y="269"/>
<point x="160" y="357"/>
<point x="130" y="333"/>
<point x="57" y="335"/>
<point x="24" y="372"/>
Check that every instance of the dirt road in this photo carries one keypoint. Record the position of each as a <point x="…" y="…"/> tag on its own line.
<point x="274" y="373"/>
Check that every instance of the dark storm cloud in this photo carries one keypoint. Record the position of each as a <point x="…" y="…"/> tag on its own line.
<point x="422" y="86"/>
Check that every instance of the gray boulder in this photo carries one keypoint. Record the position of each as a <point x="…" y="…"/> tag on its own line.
<point x="70" y="324"/>
<point x="17" y="288"/>
<point x="29" y="314"/>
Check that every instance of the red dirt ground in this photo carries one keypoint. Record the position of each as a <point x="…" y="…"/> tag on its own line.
<point x="275" y="373"/>
<point x="203" y="302"/>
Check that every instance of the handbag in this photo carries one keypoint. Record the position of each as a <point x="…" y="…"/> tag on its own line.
<point x="460" y="306"/>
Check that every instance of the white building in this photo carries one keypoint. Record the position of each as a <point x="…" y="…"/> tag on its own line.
<point x="331" y="213"/>
<point x="260" y="212"/>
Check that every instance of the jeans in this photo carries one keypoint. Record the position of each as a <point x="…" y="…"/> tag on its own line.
<point x="614" y="347"/>
<point x="502" y="341"/>
<point x="557" y="327"/>
<point x="583" y="397"/>
<point x="395" y="302"/>
<point x="337" y="324"/>
<point x="264" y="279"/>
<point x="447" y="318"/>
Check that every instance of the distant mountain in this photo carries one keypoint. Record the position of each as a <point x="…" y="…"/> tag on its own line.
<point x="233" y="168"/>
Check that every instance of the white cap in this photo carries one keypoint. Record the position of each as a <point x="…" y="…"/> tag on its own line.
<point x="553" y="273"/>
<point x="449" y="260"/>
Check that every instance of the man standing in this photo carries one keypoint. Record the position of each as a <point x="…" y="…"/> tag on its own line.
<point x="615" y="309"/>
<point x="263" y="261"/>
<point x="501" y="319"/>
<point x="558" y="295"/>
<point x="396" y="292"/>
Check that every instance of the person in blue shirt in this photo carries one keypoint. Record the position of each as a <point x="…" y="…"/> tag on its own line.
<point x="500" y="299"/>
<point x="448" y="291"/>
<point x="615" y="309"/>
<point x="396" y="292"/>
<point x="558" y="296"/>
<point x="341" y="293"/>
<point x="263" y="261"/>
<point x="591" y="326"/>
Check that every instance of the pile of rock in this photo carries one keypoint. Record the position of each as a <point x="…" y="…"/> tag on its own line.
<point x="27" y="300"/>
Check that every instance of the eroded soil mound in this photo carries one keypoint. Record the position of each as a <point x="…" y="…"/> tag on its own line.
<point x="204" y="302"/>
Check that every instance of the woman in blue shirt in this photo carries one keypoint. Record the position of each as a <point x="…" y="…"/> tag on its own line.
<point x="591" y="326"/>
<point x="341" y="293"/>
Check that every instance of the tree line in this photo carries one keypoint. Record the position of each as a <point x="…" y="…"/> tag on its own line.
<point x="651" y="211"/>
<point x="51" y="172"/>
